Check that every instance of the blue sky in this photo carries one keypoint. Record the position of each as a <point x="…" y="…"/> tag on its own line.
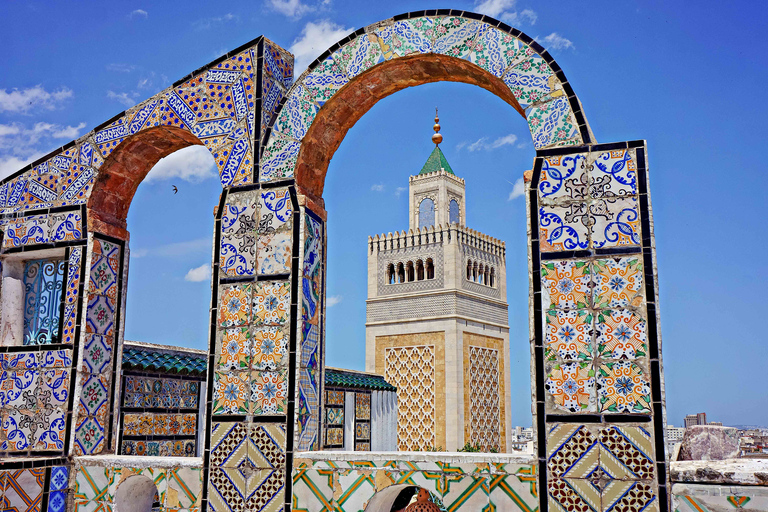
<point x="687" y="80"/>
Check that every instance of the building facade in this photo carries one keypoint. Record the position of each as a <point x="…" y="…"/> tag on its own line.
<point x="437" y="324"/>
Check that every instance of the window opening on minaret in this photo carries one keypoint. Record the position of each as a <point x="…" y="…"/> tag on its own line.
<point x="430" y="269"/>
<point x="426" y="213"/>
<point x="409" y="271"/>
<point x="453" y="212"/>
<point x="391" y="274"/>
<point x="469" y="270"/>
<point x="400" y="273"/>
<point x="419" y="270"/>
<point x="493" y="277"/>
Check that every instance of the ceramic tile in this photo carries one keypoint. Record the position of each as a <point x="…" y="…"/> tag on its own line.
<point x="310" y="346"/>
<point x="551" y="124"/>
<point x="275" y="210"/>
<point x="517" y="489"/>
<point x="622" y="387"/>
<point x="42" y="189"/>
<point x="54" y="388"/>
<point x="271" y="96"/>
<point x="65" y="226"/>
<point x="563" y="177"/>
<point x="266" y="448"/>
<point x="234" y="305"/>
<point x="19" y="388"/>
<point x="573" y="451"/>
<point x="57" y="501"/>
<point x="412" y="36"/>
<point x="269" y="392"/>
<point x="278" y="64"/>
<point x="310" y="301"/>
<point x="334" y="397"/>
<point x="359" y="55"/>
<point x="26" y="231"/>
<point x="271" y="302"/>
<point x="334" y="416"/>
<point x="100" y="315"/>
<point x="467" y="491"/>
<point x="619" y="496"/>
<point x="94" y="395"/>
<point x="234" y="351"/>
<point x="230" y="393"/>
<point x="279" y="158"/>
<point x="615" y="223"/>
<point x="266" y="490"/>
<point x="50" y="437"/>
<point x="625" y="452"/>
<point x="618" y="282"/>
<point x="563" y="227"/>
<point x="184" y="487"/>
<point x="21" y="361"/>
<point x="613" y="173"/>
<point x="357" y="488"/>
<point x="362" y="431"/>
<point x="97" y="354"/>
<point x="76" y="183"/>
<point x="274" y="253"/>
<point x="324" y="80"/>
<point x="566" y="284"/>
<point x="229" y="444"/>
<point x="17" y="430"/>
<point x="362" y="446"/>
<point x="573" y="494"/>
<point x="270" y="348"/>
<point x="334" y="436"/>
<point x="226" y="490"/>
<point x="59" y="478"/>
<point x="89" y="436"/>
<point x="238" y="238"/>
<point x="235" y="162"/>
<point x="531" y="82"/>
<point x="23" y="490"/>
<point x="620" y="334"/>
<point x="455" y="37"/>
<point x="297" y="113"/>
<point x="571" y="387"/>
<point x="313" y="247"/>
<point x="362" y="406"/>
<point x="569" y="335"/>
<point x="494" y="50"/>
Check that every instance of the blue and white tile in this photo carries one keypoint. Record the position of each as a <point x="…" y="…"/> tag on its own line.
<point x="412" y="36"/>
<point x="324" y="80"/>
<point x="275" y="210"/>
<point x="529" y="80"/>
<point x="563" y="178"/>
<point x="97" y="354"/>
<point x="274" y="253"/>
<point x="100" y="315"/>
<point x="455" y="35"/>
<point x="279" y="158"/>
<point x="66" y="226"/>
<point x="613" y="173"/>
<point x="563" y="228"/>
<point x="297" y="113"/>
<point x="27" y="231"/>
<point x="54" y="388"/>
<point x="551" y="123"/>
<point x="616" y="222"/>
<point x="359" y="55"/>
<point x="19" y="388"/>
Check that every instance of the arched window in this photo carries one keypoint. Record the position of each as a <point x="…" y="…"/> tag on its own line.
<point x="480" y="274"/>
<point x="409" y="271"/>
<point x="453" y="212"/>
<point x="469" y="270"/>
<point x="486" y="276"/>
<point x="430" y="269"/>
<point x="493" y="277"/>
<point x="474" y="272"/>
<point x="400" y="273"/>
<point x="419" y="270"/>
<point x="426" y="213"/>
<point x="391" y="274"/>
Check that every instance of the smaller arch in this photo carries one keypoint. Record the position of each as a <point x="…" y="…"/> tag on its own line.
<point x="480" y="274"/>
<point x="419" y="270"/>
<point x="135" y="494"/>
<point x="400" y="273"/>
<point x="409" y="273"/>
<point x="486" y="275"/>
<point x="426" y="213"/>
<point x="390" y="274"/>
<point x="474" y="272"/>
<point x="430" y="269"/>
<point x="469" y="270"/>
<point x="493" y="277"/>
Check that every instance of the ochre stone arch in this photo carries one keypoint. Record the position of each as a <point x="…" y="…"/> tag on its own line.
<point x="124" y="170"/>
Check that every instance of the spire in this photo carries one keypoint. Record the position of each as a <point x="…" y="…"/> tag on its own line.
<point x="437" y="138"/>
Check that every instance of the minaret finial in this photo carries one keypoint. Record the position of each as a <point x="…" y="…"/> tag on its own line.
<point x="437" y="138"/>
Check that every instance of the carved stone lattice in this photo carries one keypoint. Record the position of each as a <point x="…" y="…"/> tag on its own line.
<point x="484" y="388"/>
<point x="412" y="371"/>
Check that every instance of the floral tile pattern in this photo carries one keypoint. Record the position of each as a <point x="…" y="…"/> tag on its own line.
<point x="571" y="387"/>
<point x="564" y="228"/>
<point x="270" y="348"/>
<point x="618" y="282"/>
<point x="564" y="177"/>
<point x="234" y="305"/>
<point x="566" y="284"/>
<point x="274" y="254"/>
<point x="569" y="334"/>
<point x="230" y="393"/>
<point x="271" y="302"/>
<point x="615" y="223"/>
<point x="621" y="334"/>
<point x="269" y="392"/>
<point x="275" y="210"/>
<point x="234" y="352"/>
<point x="238" y="235"/>
<point x="623" y="387"/>
<point x="613" y="173"/>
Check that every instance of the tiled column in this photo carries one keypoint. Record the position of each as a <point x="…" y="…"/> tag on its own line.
<point x="599" y="407"/>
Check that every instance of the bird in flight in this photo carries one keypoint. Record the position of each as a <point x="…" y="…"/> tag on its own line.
<point x="175" y="190"/>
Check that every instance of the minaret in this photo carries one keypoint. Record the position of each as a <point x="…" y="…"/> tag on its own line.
<point x="437" y="321"/>
<point x="436" y="195"/>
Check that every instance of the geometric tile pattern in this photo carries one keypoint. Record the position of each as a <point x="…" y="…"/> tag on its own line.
<point x="412" y="371"/>
<point x="21" y="490"/>
<point x="485" y="413"/>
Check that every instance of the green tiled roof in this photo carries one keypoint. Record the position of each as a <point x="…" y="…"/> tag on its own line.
<point x="135" y="358"/>
<point x="342" y="379"/>
<point x="435" y="162"/>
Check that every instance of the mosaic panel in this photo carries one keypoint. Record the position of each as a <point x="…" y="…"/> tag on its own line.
<point x="268" y="392"/>
<point x="23" y="489"/>
<point x="161" y="448"/>
<point x="71" y="295"/>
<point x="238" y="235"/>
<point x="412" y="371"/>
<point x="271" y="302"/>
<point x="334" y="397"/>
<point x="362" y="406"/>
<point x="143" y="392"/>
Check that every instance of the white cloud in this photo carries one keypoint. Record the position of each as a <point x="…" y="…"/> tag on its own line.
<point x="518" y="189"/>
<point x="32" y="97"/>
<point x="315" y="38"/>
<point x="20" y="145"/>
<point x="120" y="68"/>
<point x="139" y="13"/>
<point x="122" y="97"/>
<point x="332" y="301"/>
<point x="207" y="23"/>
<point x="199" y="274"/>
<point x="193" y="164"/>
<point x="378" y="187"/>
<point x="400" y="190"/>
<point x="292" y="8"/>
<point x="482" y="143"/>
<point x="506" y="12"/>
<point x="557" y="42"/>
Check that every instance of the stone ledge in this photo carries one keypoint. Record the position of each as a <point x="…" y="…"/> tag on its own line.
<point x="448" y="457"/>
<point x="728" y="471"/>
<point x="135" y="461"/>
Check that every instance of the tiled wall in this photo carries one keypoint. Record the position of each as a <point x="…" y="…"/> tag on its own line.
<point x="598" y="388"/>
<point x="35" y="489"/>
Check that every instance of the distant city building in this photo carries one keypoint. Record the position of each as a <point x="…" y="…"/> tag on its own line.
<point x="695" y="419"/>
<point x="675" y="434"/>
<point x="716" y="423"/>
